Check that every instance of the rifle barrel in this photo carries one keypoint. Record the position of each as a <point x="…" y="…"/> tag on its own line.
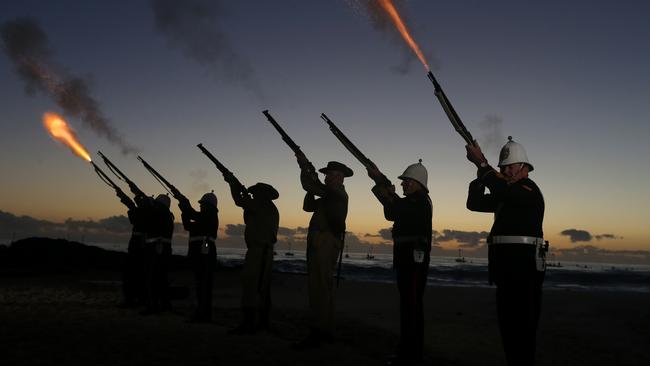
<point x="105" y="177"/>
<point x="164" y="182"/>
<point x="353" y="149"/>
<point x="346" y="142"/>
<point x="292" y="144"/>
<point x="450" y="111"/>
<point x="222" y="168"/>
<point x="113" y="168"/>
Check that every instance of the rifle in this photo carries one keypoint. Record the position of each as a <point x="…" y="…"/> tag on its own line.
<point x="118" y="173"/>
<point x="222" y="168"/>
<point x="449" y="110"/>
<point x="287" y="139"/>
<point x="120" y="193"/>
<point x="354" y="150"/>
<point x="164" y="182"/>
<point x="338" y="269"/>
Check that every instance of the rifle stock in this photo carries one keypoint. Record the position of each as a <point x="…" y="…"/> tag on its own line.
<point x="450" y="111"/>
<point x="296" y="149"/>
<point x="354" y="150"/>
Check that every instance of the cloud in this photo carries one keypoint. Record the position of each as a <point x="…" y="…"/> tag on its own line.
<point x="577" y="235"/>
<point x="285" y="231"/>
<point x="111" y="229"/>
<point x="352" y="239"/>
<point x="10" y="223"/>
<point x="607" y="236"/>
<point x="113" y="224"/>
<point x="592" y="253"/>
<point x="582" y="235"/>
<point x="386" y="233"/>
<point x="28" y="48"/>
<point x="464" y="238"/>
<point x="235" y="229"/>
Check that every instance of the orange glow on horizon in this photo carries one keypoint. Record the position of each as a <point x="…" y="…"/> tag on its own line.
<point x="388" y="6"/>
<point x="60" y="131"/>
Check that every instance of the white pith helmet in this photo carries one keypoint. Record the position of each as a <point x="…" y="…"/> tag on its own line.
<point x="418" y="173"/>
<point x="209" y="199"/>
<point x="163" y="199"/>
<point x="513" y="153"/>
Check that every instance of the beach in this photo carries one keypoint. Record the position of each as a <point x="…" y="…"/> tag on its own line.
<point x="72" y="318"/>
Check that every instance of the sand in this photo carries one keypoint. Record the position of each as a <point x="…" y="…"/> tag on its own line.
<point x="73" y="320"/>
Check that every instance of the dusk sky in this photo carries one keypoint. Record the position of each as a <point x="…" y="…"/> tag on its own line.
<point x="569" y="80"/>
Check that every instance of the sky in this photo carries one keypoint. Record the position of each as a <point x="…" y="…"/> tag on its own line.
<point x="568" y="80"/>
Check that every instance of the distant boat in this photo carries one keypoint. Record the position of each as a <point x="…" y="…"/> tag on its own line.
<point x="551" y="263"/>
<point x="369" y="255"/>
<point x="289" y="253"/>
<point x="460" y="258"/>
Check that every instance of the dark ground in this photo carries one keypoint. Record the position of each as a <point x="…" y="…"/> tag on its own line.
<point x="71" y="318"/>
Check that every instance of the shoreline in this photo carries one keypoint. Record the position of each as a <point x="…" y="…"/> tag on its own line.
<point x="53" y="317"/>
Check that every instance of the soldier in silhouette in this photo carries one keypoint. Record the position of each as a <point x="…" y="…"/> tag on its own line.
<point x="329" y="203"/>
<point x="202" y="226"/>
<point x="516" y="248"/>
<point x="412" y="233"/>
<point x="133" y="272"/>
<point x="262" y="219"/>
<point x="158" y="248"/>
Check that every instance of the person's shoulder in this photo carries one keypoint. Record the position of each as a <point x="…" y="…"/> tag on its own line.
<point x="337" y="191"/>
<point x="425" y="199"/>
<point x="528" y="184"/>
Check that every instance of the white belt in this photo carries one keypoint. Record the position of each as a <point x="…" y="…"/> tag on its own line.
<point x="162" y="240"/>
<point x="507" y="239"/>
<point x="201" y="238"/>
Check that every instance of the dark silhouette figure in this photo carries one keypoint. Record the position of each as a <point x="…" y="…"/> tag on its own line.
<point x="157" y="253"/>
<point x="516" y="251"/>
<point x="324" y="242"/>
<point x="133" y="273"/>
<point x="412" y="233"/>
<point x="202" y="227"/>
<point x="262" y="220"/>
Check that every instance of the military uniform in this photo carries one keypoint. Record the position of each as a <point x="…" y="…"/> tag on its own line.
<point x="262" y="220"/>
<point x="412" y="216"/>
<point x="324" y="242"/>
<point x="157" y="253"/>
<point x="133" y="274"/>
<point x="202" y="252"/>
<point x="516" y="257"/>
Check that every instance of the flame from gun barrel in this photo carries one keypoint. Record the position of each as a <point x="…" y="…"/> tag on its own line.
<point x="394" y="16"/>
<point x="62" y="132"/>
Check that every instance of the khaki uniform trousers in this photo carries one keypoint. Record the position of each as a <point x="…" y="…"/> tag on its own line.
<point x="322" y="255"/>
<point x="256" y="278"/>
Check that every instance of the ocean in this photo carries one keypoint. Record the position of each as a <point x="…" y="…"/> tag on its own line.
<point x="473" y="272"/>
<point x="449" y="271"/>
